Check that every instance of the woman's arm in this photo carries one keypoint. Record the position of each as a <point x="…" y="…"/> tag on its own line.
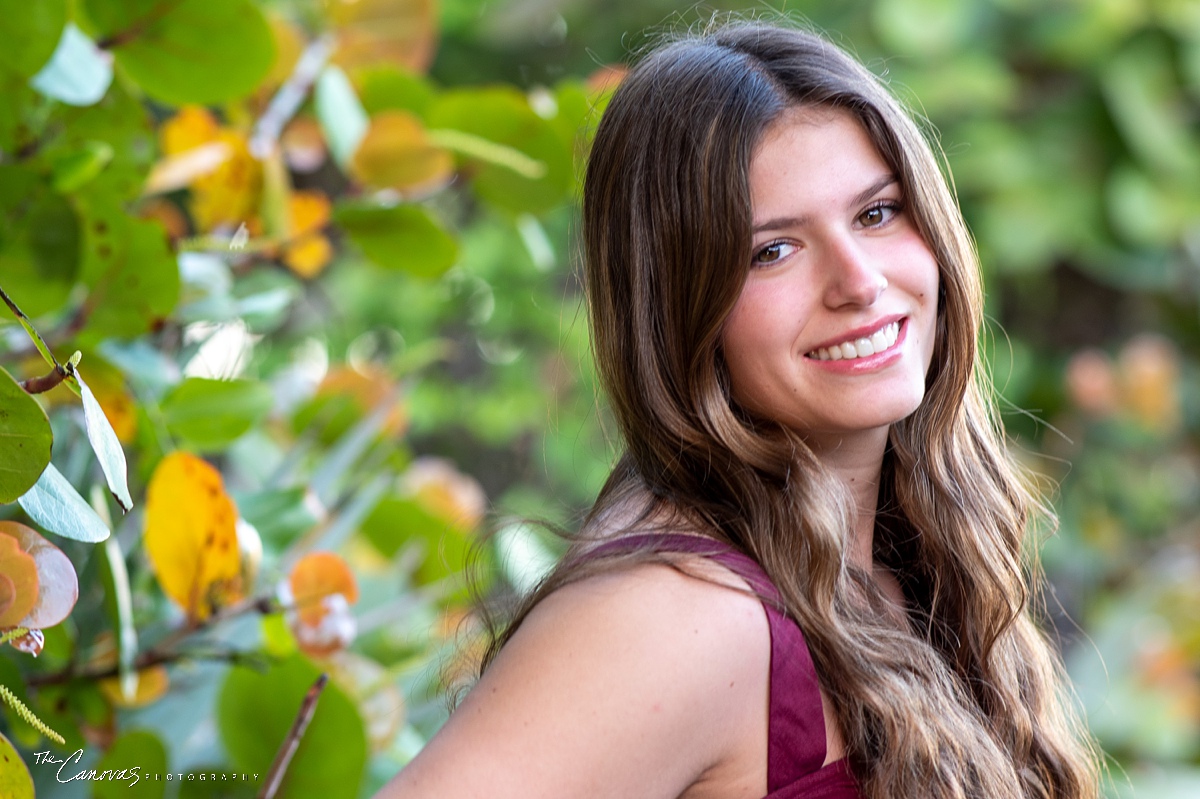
<point x="638" y="683"/>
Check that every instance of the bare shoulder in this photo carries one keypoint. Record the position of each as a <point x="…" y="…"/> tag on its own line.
<point x="630" y="683"/>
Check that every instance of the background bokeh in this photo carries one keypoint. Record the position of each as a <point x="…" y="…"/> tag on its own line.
<point x="371" y="326"/>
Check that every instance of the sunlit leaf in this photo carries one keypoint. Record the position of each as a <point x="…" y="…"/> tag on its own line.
<point x="402" y="237"/>
<point x="191" y="534"/>
<point x="191" y="127"/>
<point x="57" y="586"/>
<point x="209" y="414"/>
<point x="30" y="32"/>
<point x="401" y="32"/>
<point x="81" y="166"/>
<point x="255" y="711"/>
<point x="78" y="73"/>
<point x="230" y="194"/>
<point x="25" y="439"/>
<point x="55" y="505"/>
<point x="395" y="153"/>
<point x="106" y="446"/>
<point x="15" y="782"/>
<point x="192" y="51"/>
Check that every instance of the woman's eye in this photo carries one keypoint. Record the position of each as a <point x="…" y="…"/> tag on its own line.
<point x="772" y="253"/>
<point x="879" y="214"/>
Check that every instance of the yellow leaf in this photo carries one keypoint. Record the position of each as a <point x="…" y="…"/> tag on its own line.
<point x="309" y="251"/>
<point x="182" y="169"/>
<point x="395" y="31"/>
<point x="152" y="684"/>
<point x="396" y="153"/>
<point x="192" y="127"/>
<point x="229" y="195"/>
<point x="191" y="535"/>
<point x="316" y="576"/>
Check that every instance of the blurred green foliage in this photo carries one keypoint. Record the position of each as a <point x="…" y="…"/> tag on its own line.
<point x="363" y="311"/>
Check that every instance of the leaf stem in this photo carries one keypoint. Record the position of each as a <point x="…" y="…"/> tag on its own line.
<point x="292" y="742"/>
<point x="33" y="334"/>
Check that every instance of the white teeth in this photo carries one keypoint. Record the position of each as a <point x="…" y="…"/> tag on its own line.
<point x="882" y="339"/>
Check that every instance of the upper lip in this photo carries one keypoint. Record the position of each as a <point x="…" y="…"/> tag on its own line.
<point x="864" y="331"/>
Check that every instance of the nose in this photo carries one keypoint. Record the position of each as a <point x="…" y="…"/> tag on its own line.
<point x="853" y="274"/>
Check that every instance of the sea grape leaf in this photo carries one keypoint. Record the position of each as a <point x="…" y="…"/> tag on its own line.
<point x="15" y="782"/>
<point x="25" y="439"/>
<point x="140" y="748"/>
<point x="191" y="534"/>
<point x="194" y="51"/>
<point x="77" y="73"/>
<point x="210" y="414"/>
<point x="255" y="710"/>
<point x="57" y="585"/>
<point x="400" y="237"/>
<point x="503" y="115"/>
<point x="55" y="505"/>
<point x="106" y="446"/>
<point x="30" y="32"/>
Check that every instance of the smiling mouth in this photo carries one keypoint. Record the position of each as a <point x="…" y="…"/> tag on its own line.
<point x="882" y="339"/>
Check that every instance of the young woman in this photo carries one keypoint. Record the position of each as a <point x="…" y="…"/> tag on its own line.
<point x="804" y="578"/>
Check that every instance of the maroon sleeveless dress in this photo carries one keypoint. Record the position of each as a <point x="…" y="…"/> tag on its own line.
<point x="796" y="722"/>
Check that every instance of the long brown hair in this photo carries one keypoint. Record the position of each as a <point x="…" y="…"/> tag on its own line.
<point x="968" y="701"/>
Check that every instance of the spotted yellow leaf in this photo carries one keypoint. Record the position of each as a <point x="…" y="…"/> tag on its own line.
<point x="191" y="535"/>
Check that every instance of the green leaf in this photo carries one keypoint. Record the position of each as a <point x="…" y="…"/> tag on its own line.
<point x="503" y="116"/>
<point x="129" y="267"/>
<point x="30" y="32"/>
<point x="55" y="505"/>
<point x="25" y="439"/>
<point x="39" y="250"/>
<point x="255" y="710"/>
<point x="78" y="73"/>
<point x="81" y="166"/>
<point x="15" y="782"/>
<point x="340" y="113"/>
<point x="192" y="51"/>
<point x="105" y="445"/>
<point x="923" y="28"/>
<point x="398" y="520"/>
<point x="209" y="414"/>
<point x="137" y="757"/>
<point x="279" y="515"/>
<point x="401" y="237"/>
<point x="385" y="88"/>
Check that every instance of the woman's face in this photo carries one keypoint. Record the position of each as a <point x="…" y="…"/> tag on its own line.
<point x="834" y="329"/>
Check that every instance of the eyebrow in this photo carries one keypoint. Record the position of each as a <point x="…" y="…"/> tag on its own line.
<point x="779" y="223"/>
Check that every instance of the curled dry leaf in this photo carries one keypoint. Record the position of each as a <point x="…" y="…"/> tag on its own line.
<point x="191" y="535"/>
<point x="55" y="584"/>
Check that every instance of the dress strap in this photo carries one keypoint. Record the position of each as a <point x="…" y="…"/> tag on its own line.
<point x="796" y="731"/>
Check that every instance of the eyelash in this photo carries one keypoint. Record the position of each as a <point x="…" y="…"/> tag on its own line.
<point x="895" y="206"/>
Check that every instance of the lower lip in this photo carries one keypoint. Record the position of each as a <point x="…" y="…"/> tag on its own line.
<point x="871" y="363"/>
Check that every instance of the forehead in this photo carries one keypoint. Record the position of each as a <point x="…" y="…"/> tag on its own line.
<point x="815" y="157"/>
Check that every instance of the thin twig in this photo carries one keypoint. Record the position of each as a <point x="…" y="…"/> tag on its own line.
<point x="292" y="742"/>
<point x="39" y="385"/>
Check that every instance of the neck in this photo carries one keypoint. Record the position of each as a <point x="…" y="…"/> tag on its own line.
<point x="858" y="462"/>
